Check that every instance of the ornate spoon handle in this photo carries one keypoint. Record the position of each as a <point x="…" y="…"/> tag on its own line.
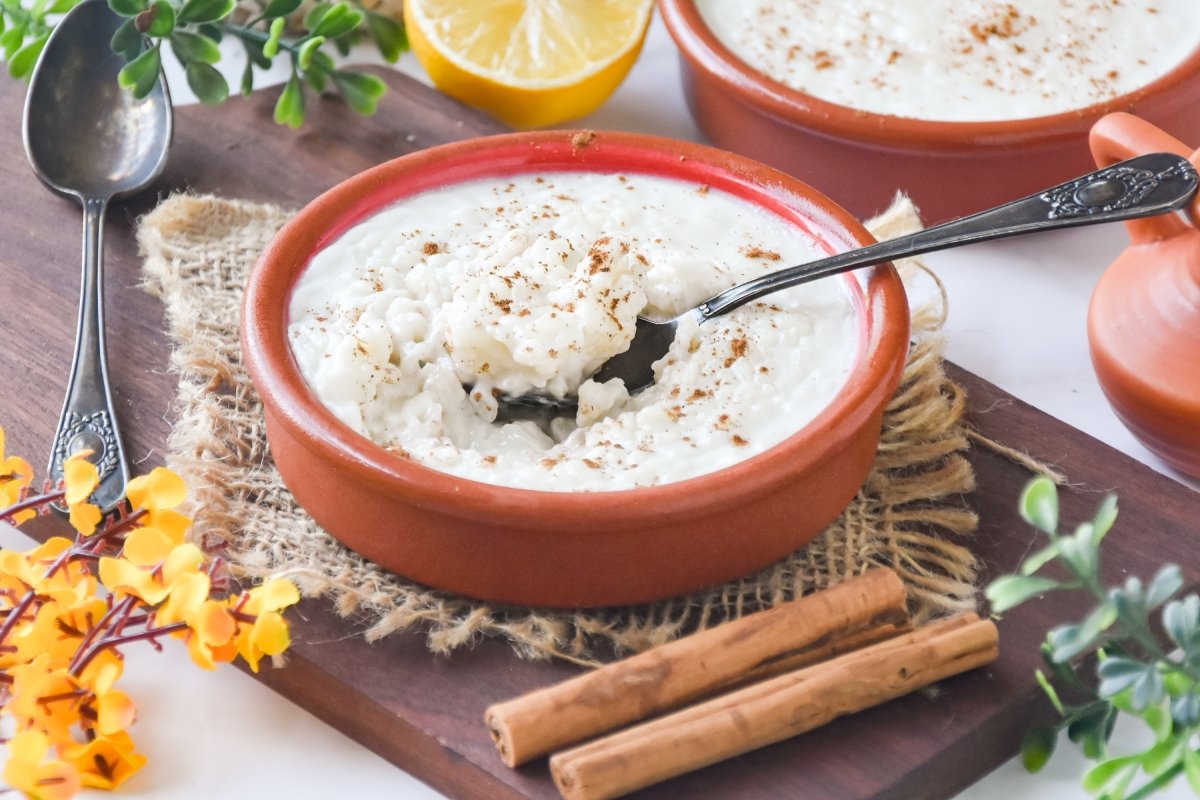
<point x="1140" y="187"/>
<point x="87" y="420"/>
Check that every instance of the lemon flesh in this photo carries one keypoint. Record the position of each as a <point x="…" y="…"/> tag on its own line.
<point x="530" y="63"/>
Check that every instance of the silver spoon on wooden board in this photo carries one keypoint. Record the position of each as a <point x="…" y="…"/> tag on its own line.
<point x="89" y="139"/>
<point x="1157" y="183"/>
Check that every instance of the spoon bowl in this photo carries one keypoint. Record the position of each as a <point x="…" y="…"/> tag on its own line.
<point x="1151" y="184"/>
<point x="88" y="138"/>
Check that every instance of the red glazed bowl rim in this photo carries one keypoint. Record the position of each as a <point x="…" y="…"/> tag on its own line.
<point x="284" y="392"/>
<point x="704" y="50"/>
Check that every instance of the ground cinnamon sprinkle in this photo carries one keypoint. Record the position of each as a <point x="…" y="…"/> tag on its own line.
<point x="582" y="139"/>
<point x="431" y="248"/>
<point x="758" y="252"/>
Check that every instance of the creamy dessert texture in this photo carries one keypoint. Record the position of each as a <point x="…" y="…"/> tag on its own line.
<point x="959" y="60"/>
<point x="530" y="284"/>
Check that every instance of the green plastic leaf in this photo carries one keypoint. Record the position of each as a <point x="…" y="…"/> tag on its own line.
<point x="1163" y="756"/>
<point x="1111" y="774"/>
<point x="313" y="17"/>
<point x="1037" y="747"/>
<point x="280" y="8"/>
<point x="339" y="20"/>
<point x="1118" y="674"/>
<point x="389" y="35"/>
<point x="12" y="40"/>
<point x="162" y="19"/>
<point x="1051" y="692"/>
<point x="1177" y="684"/>
<point x="1099" y="620"/>
<point x="211" y="31"/>
<point x="1191" y="768"/>
<point x="1009" y="591"/>
<point x="247" y="85"/>
<point x="128" y="8"/>
<point x="61" y="6"/>
<point x="194" y="47"/>
<point x="1068" y="641"/>
<point x="1185" y="709"/>
<point x="1148" y="690"/>
<point x="195" y="11"/>
<point x="289" y="109"/>
<point x="1039" y="559"/>
<point x="208" y="84"/>
<point x="1181" y="620"/>
<point x="1166" y="582"/>
<point x="1130" y="601"/>
<point x="1089" y="732"/>
<point x="127" y="42"/>
<point x="270" y="48"/>
<point x="22" y="62"/>
<point x="304" y="56"/>
<point x="1079" y="552"/>
<point x="362" y="93"/>
<point x="1039" y="505"/>
<point x="140" y="75"/>
<point x="1158" y="719"/>
<point x="317" y="79"/>
<point x="1106" y="515"/>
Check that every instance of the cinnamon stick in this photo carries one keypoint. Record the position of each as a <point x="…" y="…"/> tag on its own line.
<point x="857" y="611"/>
<point x="772" y="710"/>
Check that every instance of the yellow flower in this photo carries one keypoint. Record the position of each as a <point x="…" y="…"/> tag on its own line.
<point x="268" y="634"/>
<point x="105" y="762"/>
<point x="44" y="697"/>
<point x="57" y="628"/>
<point x="114" y="710"/>
<point x="211" y="626"/>
<point x="149" y="566"/>
<point x="81" y="477"/>
<point x="28" y="771"/>
<point x="15" y="477"/>
<point x="161" y="489"/>
<point x="84" y="517"/>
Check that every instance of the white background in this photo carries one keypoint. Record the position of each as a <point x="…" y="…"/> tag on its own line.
<point x="1017" y="318"/>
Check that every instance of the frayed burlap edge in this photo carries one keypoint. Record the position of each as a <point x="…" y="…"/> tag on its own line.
<point x="910" y="514"/>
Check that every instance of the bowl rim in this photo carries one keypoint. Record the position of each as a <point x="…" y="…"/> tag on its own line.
<point x="289" y="401"/>
<point x="700" y="45"/>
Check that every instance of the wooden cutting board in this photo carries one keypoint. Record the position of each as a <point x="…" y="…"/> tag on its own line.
<point x="423" y="712"/>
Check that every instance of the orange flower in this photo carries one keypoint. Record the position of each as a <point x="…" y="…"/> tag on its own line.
<point x="45" y="698"/>
<point x="28" y="771"/>
<point x="268" y="634"/>
<point x="15" y="477"/>
<point x="149" y="566"/>
<point x="114" y="710"/>
<point x="162" y="489"/>
<point x="57" y="629"/>
<point x="211" y="627"/>
<point x="80" y="476"/>
<point x="105" y="762"/>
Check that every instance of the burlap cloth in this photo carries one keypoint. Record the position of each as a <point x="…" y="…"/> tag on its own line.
<point x="910" y="515"/>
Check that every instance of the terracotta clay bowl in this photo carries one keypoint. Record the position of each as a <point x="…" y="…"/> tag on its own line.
<point x="560" y="548"/>
<point x="862" y="159"/>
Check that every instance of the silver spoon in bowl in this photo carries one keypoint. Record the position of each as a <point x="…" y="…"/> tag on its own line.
<point x="1156" y="183"/>
<point x="89" y="139"/>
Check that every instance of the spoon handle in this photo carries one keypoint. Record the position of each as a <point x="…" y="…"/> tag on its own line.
<point x="1156" y="183"/>
<point x="87" y="421"/>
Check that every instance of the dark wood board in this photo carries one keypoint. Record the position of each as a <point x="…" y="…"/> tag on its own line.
<point x="422" y="712"/>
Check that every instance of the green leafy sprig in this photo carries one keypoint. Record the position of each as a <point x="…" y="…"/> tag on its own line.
<point x="194" y="30"/>
<point x="1133" y="673"/>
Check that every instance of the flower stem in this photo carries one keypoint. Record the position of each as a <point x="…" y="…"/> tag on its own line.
<point x="30" y="503"/>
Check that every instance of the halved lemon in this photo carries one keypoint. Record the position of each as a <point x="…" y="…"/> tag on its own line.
<point x="529" y="63"/>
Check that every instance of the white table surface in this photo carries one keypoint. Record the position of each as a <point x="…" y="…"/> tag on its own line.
<point x="1017" y="318"/>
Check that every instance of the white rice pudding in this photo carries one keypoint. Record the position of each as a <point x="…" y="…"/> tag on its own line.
<point x="959" y="60"/>
<point x="530" y="284"/>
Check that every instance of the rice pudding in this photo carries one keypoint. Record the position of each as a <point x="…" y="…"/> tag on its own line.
<point x="530" y="283"/>
<point x="959" y="60"/>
